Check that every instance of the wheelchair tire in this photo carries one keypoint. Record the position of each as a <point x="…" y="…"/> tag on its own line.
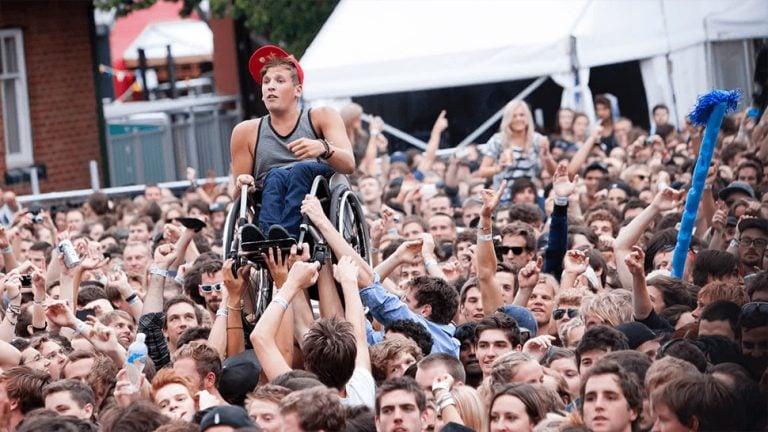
<point x="348" y="218"/>
<point x="259" y="292"/>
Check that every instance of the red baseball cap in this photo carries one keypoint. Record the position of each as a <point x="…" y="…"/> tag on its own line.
<point x="263" y="55"/>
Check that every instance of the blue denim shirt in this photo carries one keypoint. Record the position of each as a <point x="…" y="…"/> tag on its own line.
<point x="386" y="307"/>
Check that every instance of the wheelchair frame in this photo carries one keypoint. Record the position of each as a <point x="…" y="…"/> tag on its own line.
<point x="345" y="211"/>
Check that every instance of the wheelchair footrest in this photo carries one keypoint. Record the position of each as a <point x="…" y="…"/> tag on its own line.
<point x="253" y="250"/>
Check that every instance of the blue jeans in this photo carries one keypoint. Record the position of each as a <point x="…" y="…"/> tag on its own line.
<point x="283" y="193"/>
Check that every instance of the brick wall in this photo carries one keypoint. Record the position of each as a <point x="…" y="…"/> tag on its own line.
<point x="61" y="89"/>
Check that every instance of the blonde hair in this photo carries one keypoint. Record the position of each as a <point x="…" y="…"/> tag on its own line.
<point x="388" y="350"/>
<point x="506" y="124"/>
<point x="665" y="370"/>
<point x="471" y="407"/>
<point x="614" y="307"/>
<point x="569" y="296"/>
<point x="505" y="367"/>
<point x="567" y="327"/>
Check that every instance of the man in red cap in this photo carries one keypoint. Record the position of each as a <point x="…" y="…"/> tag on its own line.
<point x="286" y="149"/>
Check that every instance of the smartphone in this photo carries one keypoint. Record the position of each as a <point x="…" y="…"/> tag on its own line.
<point x="26" y="281"/>
<point x="82" y="314"/>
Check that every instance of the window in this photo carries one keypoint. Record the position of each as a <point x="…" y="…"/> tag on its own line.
<point x="17" y="134"/>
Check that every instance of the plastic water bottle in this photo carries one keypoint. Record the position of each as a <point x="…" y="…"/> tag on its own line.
<point x="137" y="358"/>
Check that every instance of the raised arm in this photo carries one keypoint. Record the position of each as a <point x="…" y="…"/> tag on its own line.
<point x="345" y="272"/>
<point x="666" y="199"/>
<point x="641" y="300"/>
<point x="428" y="157"/>
<point x="486" y="254"/>
<point x="301" y="276"/>
<point x="578" y="159"/>
<point x="558" y="227"/>
<point x="407" y="252"/>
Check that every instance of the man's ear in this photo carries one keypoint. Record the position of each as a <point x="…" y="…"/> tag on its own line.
<point x="88" y="408"/>
<point x="209" y="381"/>
<point x="13" y="404"/>
<point x="426" y="311"/>
<point x="519" y="347"/>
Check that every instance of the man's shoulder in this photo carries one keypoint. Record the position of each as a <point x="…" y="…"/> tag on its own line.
<point x="250" y="125"/>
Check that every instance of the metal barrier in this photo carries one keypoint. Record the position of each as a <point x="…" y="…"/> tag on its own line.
<point x="152" y="142"/>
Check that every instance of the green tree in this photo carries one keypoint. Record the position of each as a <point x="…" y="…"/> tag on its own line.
<point x="291" y="24"/>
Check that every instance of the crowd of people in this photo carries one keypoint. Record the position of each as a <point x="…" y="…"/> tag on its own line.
<point x="517" y="285"/>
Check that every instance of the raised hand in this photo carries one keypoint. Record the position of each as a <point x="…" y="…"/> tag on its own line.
<point x="529" y="275"/>
<point x="313" y="210"/>
<point x="491" y="199"/>
<point x="667" y="199"/>
<point x="346" y="271"/>
<point x="635" y="261"/>
<point x="165" y="256"/>
<point x="234" y="286"/>
<point x="277" y="268"/>
<point x="303" y="274"/>
<point x="538" y="346"/>
<point x="441" y="123"/>
<point x="561" y="185"/>
<point x="172" y="232"/>
<point x="575" y="262"/>
<point x="410" y="251"/>
<point x="720" y="218"/>
<point x="60" y="314"/>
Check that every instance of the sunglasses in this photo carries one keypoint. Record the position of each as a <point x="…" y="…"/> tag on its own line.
<point x="517" y="250"/>
<point x="209" y="288"/>
<point x="559" y="313"/>
<point x="750" y="308"/>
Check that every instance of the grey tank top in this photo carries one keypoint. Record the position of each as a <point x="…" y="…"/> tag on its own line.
<point x="272" y="148"/>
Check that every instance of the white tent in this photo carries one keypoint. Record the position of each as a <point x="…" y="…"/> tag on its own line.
<point x="190" y="41"/>
<point x="382" y="46"/>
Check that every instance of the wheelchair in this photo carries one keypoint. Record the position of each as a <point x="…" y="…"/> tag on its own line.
<point x="340" y="204"/>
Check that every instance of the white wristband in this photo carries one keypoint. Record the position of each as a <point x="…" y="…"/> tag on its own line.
<point x="561" y="201"/>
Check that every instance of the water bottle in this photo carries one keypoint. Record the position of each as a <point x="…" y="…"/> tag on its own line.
<point x="137" y="358"/>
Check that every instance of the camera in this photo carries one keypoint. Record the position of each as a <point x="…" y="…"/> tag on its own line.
<point x="26" y="281"/>
<point x="648" y="141"/>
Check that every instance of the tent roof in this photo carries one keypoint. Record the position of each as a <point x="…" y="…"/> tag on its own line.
<point x="383" y="46"/>
<point x="188" y="38"/>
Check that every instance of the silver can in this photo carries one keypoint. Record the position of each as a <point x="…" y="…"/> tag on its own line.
<point x="67" y="250"/>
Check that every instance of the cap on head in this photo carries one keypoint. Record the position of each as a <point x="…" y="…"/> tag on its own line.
<point x="264" y="55"/>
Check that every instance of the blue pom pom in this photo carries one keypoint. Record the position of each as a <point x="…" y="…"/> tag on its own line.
<point x="707" y="102"/>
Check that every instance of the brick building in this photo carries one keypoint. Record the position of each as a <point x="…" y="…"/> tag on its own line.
<point x="49" y="108"/>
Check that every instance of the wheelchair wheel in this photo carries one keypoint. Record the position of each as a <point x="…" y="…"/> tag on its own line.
<point x="348" y="218"/>
<point x="259" y="292"/>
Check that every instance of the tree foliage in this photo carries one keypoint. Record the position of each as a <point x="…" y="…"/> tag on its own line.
<point x="291" y="24"/>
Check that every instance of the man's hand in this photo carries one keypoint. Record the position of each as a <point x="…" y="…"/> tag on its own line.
<point x="304" y="275"/>
<point x="575" y="262"/>
<point x="667" y="199"/>
<point x="410" y="251"/>
<point x="538" y="346"/>
<point x="441" y="123"/>
<point x="234" y="286"/>
<point x="491" y="199"/>
<point x="561" y="185"/>
<point x="346" y="271"/>
<point x="305" y="148"/>
<point x="104" y="339"/>
<point x="119" y="281"/>
<point x="720" y="218"/>
<point x="12" y="286"/>
<point x="313" y="210"/>
<point x="172" y="232"/>
<point x="60" y="314"/>
<point x="427" y="246"/>
<point x="635" y="261"/>
<point x="243" y="180"/>
<point x="529" y="275"/>
<point x="277" y="268"/>
<point x="165" y="255"/>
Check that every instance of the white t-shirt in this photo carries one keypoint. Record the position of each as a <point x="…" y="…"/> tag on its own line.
<point x="361" y="389"/>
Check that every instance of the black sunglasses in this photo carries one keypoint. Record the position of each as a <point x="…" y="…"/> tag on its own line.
<point x="517" y="250"/>
<point x="750" y="308"/>
<point x="559" y="313"/>
<point x="209" y="288"/>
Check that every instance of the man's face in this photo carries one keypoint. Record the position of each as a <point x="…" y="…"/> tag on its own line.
<point x="124" y="329"/>
<point x="749" y="175"/>
<point x="441" y="228"/>
<point x="519" y="254"/>
<point x="716" y="328"/>
<point x="666" y="420"/>
<point x="37" y="258"/>
<point x="605" y="407"/>
<point x="468" y="357"/>
<point x="491" y="344"/>
<point x="152" y="193"/>
<point x="79" y="369"/>
<point x="187" y="367"/>
<point x="601" y="228"/>
<point x="754" y="346"/>
<point x="175" y="402"/>
<point x="55" y="355"/>
<point x="752" y="243"/>
<point x="470" y="212"/>
<point x="135" y="259"/>
<point x="661" y="116"/>
<point x="180" y="317"/>
<point x="266" y="414"/>
<point x="525" y="196"/>
<point x="425" y="376"/>
<point x="603" y="111"/>
<point x="472" y="308"/>
<point x="212" y="296"/>
<point x="370" y="190"/>
<point x="138" y="233"/>
<point x="399" y="412"/>
<point x="506" y="282"/>
<point x="409" y="272"/>
<point x="541" y="302"/>
<point x="75" y="221"/>
<point x="64" y="405"/>
<point x="413" y="304"/>
<point x="617" y="197"/>
<point x="412" y="231"/>
<point x="440" y="205"/>
<point x="396" y="367"/>
<point x="278" y="88"/>
<point x="589" y="358"/>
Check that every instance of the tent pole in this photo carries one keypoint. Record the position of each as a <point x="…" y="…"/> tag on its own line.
<point x="397" y="133"/>
<point x="488" y="123"/>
